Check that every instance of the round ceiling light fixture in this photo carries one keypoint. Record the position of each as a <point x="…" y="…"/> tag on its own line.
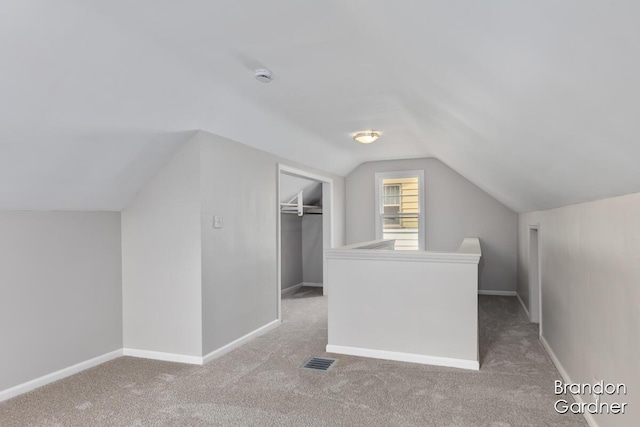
<point x="263" y="75"/>
<point x="366" y="136"/>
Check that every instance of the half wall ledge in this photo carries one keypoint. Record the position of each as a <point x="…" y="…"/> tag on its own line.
<point x="411" y="306"/>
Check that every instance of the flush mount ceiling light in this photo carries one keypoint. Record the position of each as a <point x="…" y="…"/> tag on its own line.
<point x="367" y="136"/>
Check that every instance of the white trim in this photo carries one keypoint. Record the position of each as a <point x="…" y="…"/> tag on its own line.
<point x="278" y="243"/>
<point x="404" y="357"/>
<point x="158" y="355"/>
<point x="312" y="284"/>
<point x="328" y="226"/>
<point x="416" y="256"/>
<point x="58" y="375"/>
<point x="468" y="253"/>
<point x="567" y="379"/>
<point x="523" y="306"/>
<point x="470" y="245"/>
<point x="303" y="173"/>
<point x="379" y="193"/>
<point x="144" y="354"/>
<point x="372" y="244"/>
<point x="291" y="289"/>
<point x="497" y="293"/>
<point x="327" y="222"/>
<point x="535" y="309"/>
<point x="539" y="279"/>
<point x="240" y="341"/>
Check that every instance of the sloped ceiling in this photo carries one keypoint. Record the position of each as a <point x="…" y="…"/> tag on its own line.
<point x="534" y="101"/>
<point x="291" y="185"/>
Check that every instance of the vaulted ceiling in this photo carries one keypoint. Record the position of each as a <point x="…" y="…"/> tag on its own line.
<point x="291" y="185"/>
<point x="534" y="101"/>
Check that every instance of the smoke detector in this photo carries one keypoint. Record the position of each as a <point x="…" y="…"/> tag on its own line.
<point x="263" y="75"/>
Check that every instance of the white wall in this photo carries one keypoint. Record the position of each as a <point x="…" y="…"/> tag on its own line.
<point x="291" y="250"/>
<point x="455" y="209"/>
<point x="239" y="264"/>
<point x="301" y="249"/>
<point x="418" y="323"/>
<point x="161" y="260"/>
<point x="590" y="274"/>
<point x="312" y="248"/>
<point x="60" y="291"/>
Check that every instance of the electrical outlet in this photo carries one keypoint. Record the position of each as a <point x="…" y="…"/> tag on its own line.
<point x="217" y="221"/>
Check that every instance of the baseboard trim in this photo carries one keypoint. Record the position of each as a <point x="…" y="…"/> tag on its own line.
<point x="524" y="306"/>
<point x="567" y="379"/>
<point x="143" y="354"/>
<point x="158" y="355"/>
<point x="240" y="341"/>
<point x="497" y="293"/>
<point x="312" y="284"/>
<point x="57" y="375"/>
<point x="404" y="357"/>
<point x="291" y="289"/>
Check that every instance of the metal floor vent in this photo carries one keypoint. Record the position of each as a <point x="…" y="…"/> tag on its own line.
<point x="319" y="363"/>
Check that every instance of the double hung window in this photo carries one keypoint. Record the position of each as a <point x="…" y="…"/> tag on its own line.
<point x="399" y="208"/>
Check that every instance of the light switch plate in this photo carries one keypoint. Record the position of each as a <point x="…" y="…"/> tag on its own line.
<point x="217" y="221"/>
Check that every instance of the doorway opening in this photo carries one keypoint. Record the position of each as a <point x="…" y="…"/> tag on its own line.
<point x="304" y="231"/>
<point x="535" y="290"/>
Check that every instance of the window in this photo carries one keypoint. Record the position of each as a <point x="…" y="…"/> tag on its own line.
<point x="391" y="204"/>
<point x="399" y="205"/>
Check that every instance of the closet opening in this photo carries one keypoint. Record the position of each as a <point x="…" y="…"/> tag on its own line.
<point x="304" y="232"/>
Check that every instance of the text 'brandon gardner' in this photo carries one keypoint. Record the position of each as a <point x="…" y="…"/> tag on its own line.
<point x="576" y="389"/>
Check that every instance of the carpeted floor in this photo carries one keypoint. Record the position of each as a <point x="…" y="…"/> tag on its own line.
<point x="260" y="384"/>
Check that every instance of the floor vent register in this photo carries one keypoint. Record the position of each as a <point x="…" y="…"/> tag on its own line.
<point x="319" y="363"/>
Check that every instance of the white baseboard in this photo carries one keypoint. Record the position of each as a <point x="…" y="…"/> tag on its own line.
<point x="144" y="354"/>
<point x="312" y="284"/>
<point x="404" y="357"/>
<point x="524" y="306"/>
<point x="567" y="379"/>
<point x="291" y="289"/>
<point x="497" y="293"/>
<point x="237" y="343"/>
<point x="58" y="375"/>
<point x="167" y="357"/>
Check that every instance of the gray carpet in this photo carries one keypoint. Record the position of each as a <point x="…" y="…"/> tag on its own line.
<point x="261" y="384"/>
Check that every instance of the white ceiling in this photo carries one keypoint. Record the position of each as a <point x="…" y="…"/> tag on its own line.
<point x="534" y="101"/>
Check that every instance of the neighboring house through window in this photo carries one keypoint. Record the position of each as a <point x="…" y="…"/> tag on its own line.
<point x="399" y="205"/>
<point x="391" y="204"/>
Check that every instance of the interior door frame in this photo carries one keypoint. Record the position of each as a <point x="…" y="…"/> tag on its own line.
<point x="327" y="223"/>
<point x="535" y="289"/>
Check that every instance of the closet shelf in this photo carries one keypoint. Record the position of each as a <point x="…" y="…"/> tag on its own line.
<point x="297" y="206"/>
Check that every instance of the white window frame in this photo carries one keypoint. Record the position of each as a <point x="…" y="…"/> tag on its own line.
<point x="379" y="208"/>
<point x="384" y="196"/>
<point x="399" y="193"/>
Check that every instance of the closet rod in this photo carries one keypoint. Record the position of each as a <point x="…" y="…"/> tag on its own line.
<point x="296" y="205"/>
